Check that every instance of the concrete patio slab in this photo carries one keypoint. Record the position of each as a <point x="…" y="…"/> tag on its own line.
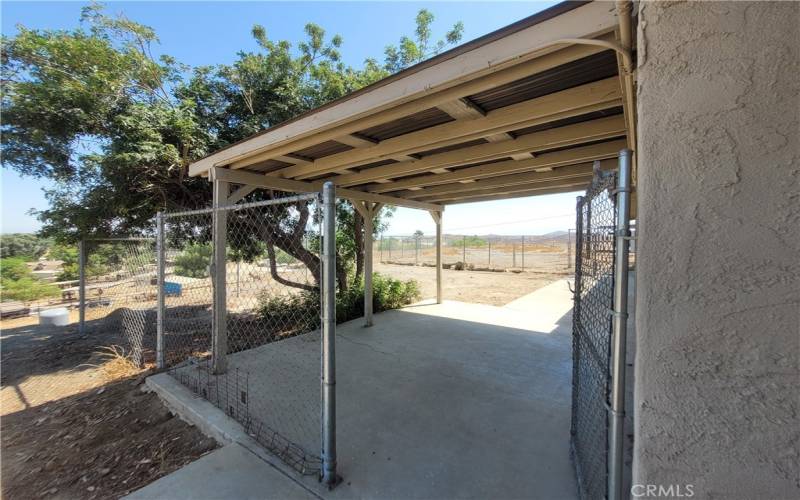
<point x="231" y="472"/>
<point x="453" y="400"/>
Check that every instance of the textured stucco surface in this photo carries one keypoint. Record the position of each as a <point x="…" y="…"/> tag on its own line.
<point x="718" y="325"/>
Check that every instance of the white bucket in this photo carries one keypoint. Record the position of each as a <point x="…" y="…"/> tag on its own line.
<point x="54" y="317"/>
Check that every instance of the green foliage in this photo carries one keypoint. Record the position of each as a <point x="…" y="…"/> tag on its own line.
<point x="101" y="259"/>
<point x="193" y="261"/>
<point x="387" y="293"/>
<point x="68" y="255"/>
<point x="14" y="268"/>
<point x="18" y="283"/>
<point x="408" y="51"/>
<point x="300" y="312"/>
<point x="29" y="246"/>
<point x="294" y="314"/>
<point x="470" y="241"/>
<point x="282" y="257"/>
<point x="91" y="110"/>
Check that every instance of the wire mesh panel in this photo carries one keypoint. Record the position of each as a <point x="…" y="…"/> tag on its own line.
<point x="543" y="253"/>
<point x="268" y="331"/>
<point x="187" y="286"/>
<point x="591" y="334"/>
<point x="120" y="291"/>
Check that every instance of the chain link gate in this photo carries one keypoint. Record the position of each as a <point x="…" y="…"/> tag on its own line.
<point x="599" y="315"/>
<point x="117" y="292"/>
<point x="256" y="354"/>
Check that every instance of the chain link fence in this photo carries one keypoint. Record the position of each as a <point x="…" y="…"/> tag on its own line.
<point x="117" y="291"/>
<point x="592" y="326"/>
<point x="258" y="357"/>
<point x="549" y="252"/>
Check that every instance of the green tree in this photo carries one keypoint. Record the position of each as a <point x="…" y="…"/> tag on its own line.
<point x="193" y="261"/>
<point x="92" y="110"/>
<point x="408" y="51"/>
<point x="29" y="246"/>
<point x="18" y="283"/>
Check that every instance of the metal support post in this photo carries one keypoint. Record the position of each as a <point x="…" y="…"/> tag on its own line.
<point x="616" y="433"/>
<point x="464" y="248"/>
<point x="437" y="218"/>
<point x="160" y="300"/>
<point x="489" y="240"/>
<point x="523" y="252"/>
<point x="368" y="214"/>
<point x="569" y="248"/>
<point x="329" y="335"/>
<point x="82" y="286"/>
<point x="219" y="327"/>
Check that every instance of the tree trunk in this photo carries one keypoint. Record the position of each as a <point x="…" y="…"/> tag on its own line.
<point x="270" y="231"/>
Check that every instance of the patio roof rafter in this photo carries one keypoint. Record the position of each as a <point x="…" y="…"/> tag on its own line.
<point x="565" y="104"/>
<point x="269" y="182"/>
<point x="545" y="162"/>
<point x="594" y="130"/>
<point x="529" y="104"/>
<point x="571" y="172"/>
<point x="271" y="147"/>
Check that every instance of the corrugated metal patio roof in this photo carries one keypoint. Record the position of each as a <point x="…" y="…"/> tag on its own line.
<point x="522" y="111"/>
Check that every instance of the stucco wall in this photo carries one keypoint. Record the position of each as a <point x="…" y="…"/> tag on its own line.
<point x="718" y="316"/>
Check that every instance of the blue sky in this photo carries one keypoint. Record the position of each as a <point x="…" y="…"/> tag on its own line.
<point x="206" y="33"/>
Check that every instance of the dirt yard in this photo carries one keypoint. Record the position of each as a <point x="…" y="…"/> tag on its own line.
<point x="483" y="287"/>
<point x="75" y="423"/>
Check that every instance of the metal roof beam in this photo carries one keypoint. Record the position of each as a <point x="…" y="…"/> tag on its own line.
<point x="589" y="131"/>
<point x="270" y="182"/>
<point x="603" y="94"/>
<point x="561" y="158"/>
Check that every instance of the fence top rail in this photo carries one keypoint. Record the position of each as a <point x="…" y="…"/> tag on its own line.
<point x="241" y="206"/>
<point x="132" y="238"/>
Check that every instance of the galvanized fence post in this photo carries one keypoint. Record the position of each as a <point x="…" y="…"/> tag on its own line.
<point x="160" y="301"/>
<point x="569" y="247"/>
<point x="489" y="240"/>
<point x="464" y="248"/>
<point x="523" y="252"/>
<point x="219" y="331"/>
<point x="620" y="329"/>
<point x="82" y="286"/>
<point x="329" y="335"/>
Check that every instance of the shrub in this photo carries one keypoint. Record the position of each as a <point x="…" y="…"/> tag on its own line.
<point x="193" y="262"/>
<point x="387" y="293"/>
<point x="470" y="241"/>
<point x="290" y="314"/>
<point x="300" y="312"/>
<point x="17" y="282"/>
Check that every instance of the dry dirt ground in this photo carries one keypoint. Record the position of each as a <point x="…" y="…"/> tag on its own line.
<point x="75" y="423"/>
<point x="482" y="287"/>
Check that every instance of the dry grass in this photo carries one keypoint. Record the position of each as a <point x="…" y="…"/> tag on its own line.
<point x="116" y="363"/>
